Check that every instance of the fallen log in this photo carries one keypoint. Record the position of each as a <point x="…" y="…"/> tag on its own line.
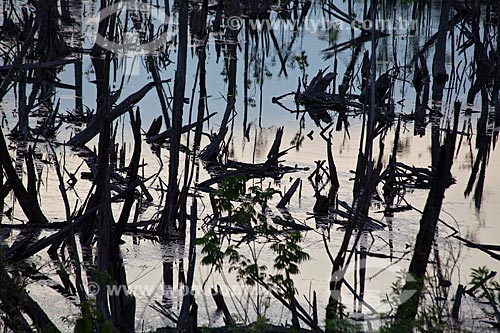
<point x="210" y="152"/>
<point x="347" y="212"/>
<point x="259" y="170"/>
<point x="12" y="254"/>
<point x="317" y="101"/>
<point x="39" y="65"/>
<point x="270" y="168"/>
<point x="161" y="137"/>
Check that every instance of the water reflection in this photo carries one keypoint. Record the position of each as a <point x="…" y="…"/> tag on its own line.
<point x="243" y="72"/>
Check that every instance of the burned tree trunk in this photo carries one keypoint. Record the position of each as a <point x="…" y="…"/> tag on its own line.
<point x="102" y="184"/>
<point x="23" y="119"/>
<point x="332" y="170"/>
<point x="188" y="315"/>
<point x="202" y="58"/>
<point x="4" y="190"/>
<point x="167" y="223"/>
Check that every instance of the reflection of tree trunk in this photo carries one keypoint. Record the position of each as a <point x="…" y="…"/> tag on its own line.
<point x="439" y="81"/>
<point x="65" y="14"/>
<point x="101" y="197"/>
<point x="483" y="65"/>
<point x="478" y="193"/>
<point x="390" y="186"/>
<point x="168" y="273"/>
<point x="168" y="283"/>
<point x="202" y="56"/>
<point x="186" y="316"/>
<point x="261" y="87"/>
<point x="4" y="190"/>
<point x="389" y="220"/>
<point x="438" y="65"/>
<point x="102" y="182"/>
<point x="231" y="90"/>
<point x="390" y="190"/>
<point x="79" y="87"/>
<point x="346" y="83"/>
<point x="483" y="144"/>
<point x="407" y="311"/>
<point x="50" y="46"/>
<point x="169" y="214"/>
<point x="245" y="81"/>
<point x="362" y="269"/>
<point x="496" y="87"/>
<point x="27" y="44"/>
<point x="23" y="118"/>
<point x="421" y="74"/>
<point x="232" y="37"/>
<point x="122" y="305"/>
<point x="435" y="119"/>
<point x="233" y="9"/>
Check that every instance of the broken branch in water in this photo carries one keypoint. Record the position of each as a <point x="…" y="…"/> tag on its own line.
<point x="123" y="107"/>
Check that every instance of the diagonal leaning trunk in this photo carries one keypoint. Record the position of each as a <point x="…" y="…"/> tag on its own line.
<point x="407" y="311"/>
<point x="27" y="202"/>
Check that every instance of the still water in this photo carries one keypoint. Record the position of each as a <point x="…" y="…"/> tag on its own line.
<point x="146" y="261"/>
